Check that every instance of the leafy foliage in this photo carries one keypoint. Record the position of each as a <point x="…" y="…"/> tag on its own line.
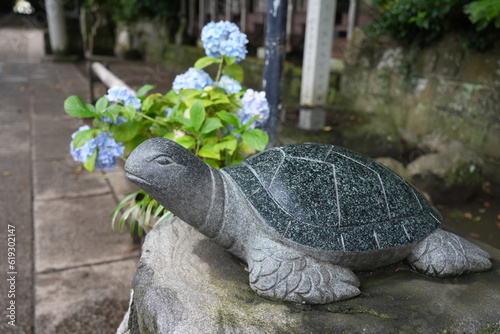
<point x="421" y="22"/>
<point x="213" y="120"/>
<point x="484" y="12"/>
<point x="133" y="10"/>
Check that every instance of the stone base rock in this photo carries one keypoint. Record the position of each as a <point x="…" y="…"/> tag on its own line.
<point x="394" y="165"/>
<point x="185" y="283"/>
<point x="375" y="136"/>
<point x="451" y="175"/>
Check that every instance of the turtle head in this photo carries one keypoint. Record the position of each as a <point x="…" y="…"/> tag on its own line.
<point x="175" y="177"/>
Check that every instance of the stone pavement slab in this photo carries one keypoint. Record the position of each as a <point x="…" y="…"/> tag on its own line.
<point x="66" y="253"/>
<point x="16" y="211"/>
<point x="77" y="232"/>
<point x="87" y="299"/>
<point x="16" y="61"/>
<point x="59" y="179"/>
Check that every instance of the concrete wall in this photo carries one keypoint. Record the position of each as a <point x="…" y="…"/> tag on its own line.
<point x="444" y="89"/>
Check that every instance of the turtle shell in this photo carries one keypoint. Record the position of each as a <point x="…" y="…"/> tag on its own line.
<point x="331" y="198"/>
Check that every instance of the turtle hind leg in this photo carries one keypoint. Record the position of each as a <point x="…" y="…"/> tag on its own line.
<point x="445" y="254"/>
<point x="286" y="275"/>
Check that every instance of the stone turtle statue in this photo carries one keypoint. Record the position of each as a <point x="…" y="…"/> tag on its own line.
<point x="304" y="216"/>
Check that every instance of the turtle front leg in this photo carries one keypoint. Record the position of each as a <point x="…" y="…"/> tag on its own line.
<point x="446" y="254"/>
<point x="286" y="275"/>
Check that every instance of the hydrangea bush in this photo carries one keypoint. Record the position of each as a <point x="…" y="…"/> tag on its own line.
<point x="216" y="118"/>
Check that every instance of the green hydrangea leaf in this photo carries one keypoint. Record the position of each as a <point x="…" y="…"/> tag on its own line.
<point x="231" y="144"/>
<point x="84" y="136"/>
<point x="249" y="123"/>
<point x="213" y="163"/>
<point x="101" y="104"/>
<point x="113" y="112"/>
<point x="186" y="141"/>
<point x="144" y="90"/>
<point x="255" y="138"/>
<point x="169" y="135"/>
<point x="172" y="96"/>
<point x="234" y="71"/>
<point x="210" y="125"/>
<point x="209" y="151"/>
<point x="235" y="101"/>
<point x="205" y="61"/>
<point x="213" y="139"/>
<point x="90" y="163"/>
<point x="223" y="99"/>
<point x="129" y="111"/>
<point x="197" y="115"/>
<point x="229" y="118"/>
<point x="185" y="122"/>
<point x="132" y="144"/>
<point x="125" y="131"/>
<point x="75" y="106"/>
<point x="229" y="60"/>
<point x="205" y="102"/>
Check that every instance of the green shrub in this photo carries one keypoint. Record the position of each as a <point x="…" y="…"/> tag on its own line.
<point x="484" y="12"/>
<point x="421" y="22"/>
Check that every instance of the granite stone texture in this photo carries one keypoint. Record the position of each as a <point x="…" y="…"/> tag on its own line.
<point x="186" y="283"/>
<point x="332" y="198"/>
<point x="302" y="217"/>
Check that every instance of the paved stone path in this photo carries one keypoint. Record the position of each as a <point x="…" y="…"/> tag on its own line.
<point x="72" y="274"/>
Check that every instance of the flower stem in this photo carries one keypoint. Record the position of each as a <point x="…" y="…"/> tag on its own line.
<point x="219" y="71"/>
<point x="150" y="118"/>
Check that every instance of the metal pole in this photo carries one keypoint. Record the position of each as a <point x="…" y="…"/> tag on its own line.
<point x="273" y="66"/>
<point x="243" y="20"/>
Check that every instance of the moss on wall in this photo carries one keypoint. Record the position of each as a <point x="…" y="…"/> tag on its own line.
<point x="441" y="89"/>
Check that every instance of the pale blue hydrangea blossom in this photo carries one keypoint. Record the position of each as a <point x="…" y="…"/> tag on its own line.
<point x="122" y="95"/>
<point x="107" y="149"/>
<point x="168" y="112"/>
<point x="192" y="79"/>
<point x="83" y="152"/>
<point x="229" y="84"/>
<point x="119" y="120"/>
<point x="224" y="39"/>
<point x="254" y="103"/>
<point x="125" y="95"/>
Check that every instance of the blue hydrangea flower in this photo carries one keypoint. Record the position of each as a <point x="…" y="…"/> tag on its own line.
<point x="192" y="79"/>
<point x="169" y="112"/>
<point x="83" y="152"/>
<point x="254" y="103"/>
<point x="108" y="151"/>
<point x="125" y="95"/>
<point x="119" y="120"/>
<point x="224" y="39"/>
<point x="229" y="84"/>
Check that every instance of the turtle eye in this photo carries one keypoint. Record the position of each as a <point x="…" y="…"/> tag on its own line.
<point x="163" y="160"/>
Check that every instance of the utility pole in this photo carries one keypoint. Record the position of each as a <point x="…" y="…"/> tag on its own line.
<point x="273" y="66"/>
<point x="57" y="27"/>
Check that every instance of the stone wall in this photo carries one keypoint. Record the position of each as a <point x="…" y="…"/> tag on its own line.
<point x="445" y="90"/>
